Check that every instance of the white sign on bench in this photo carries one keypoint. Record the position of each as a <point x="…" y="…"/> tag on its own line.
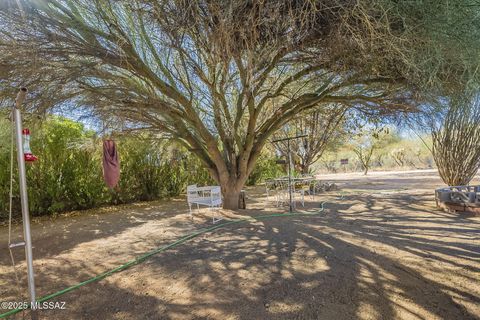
<point x="210" y="196"/>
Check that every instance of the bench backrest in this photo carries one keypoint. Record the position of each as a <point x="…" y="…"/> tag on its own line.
<point x="216" y="192"/>
<point x="211" y="192"/>
<point x="192" y="192"/>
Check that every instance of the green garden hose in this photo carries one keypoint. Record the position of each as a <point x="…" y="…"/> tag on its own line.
<point x="147" y="255"/>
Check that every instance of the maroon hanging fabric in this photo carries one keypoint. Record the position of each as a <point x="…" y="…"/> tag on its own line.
<point x="111" y="164"/>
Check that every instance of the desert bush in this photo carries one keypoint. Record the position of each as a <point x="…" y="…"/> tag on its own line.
<point x="265" y="168"/>
<point x="68" y="174"/>
<point x="455" y="136"/>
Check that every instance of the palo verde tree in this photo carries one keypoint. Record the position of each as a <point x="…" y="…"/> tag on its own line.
<point x="366" y="142"/>
<point x="222" y="76"/>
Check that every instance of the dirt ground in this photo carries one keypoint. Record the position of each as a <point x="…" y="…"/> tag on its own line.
<point x="382" y="252"/>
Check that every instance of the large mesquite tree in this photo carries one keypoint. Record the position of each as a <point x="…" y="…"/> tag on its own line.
<point x="222" y="76"/>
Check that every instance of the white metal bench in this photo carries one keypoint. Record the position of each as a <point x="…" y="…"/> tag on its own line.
<point x="210" y="196"/>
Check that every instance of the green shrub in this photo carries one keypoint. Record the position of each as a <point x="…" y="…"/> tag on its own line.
<point x="265" y="168"/>
<point x="68" y="174"/>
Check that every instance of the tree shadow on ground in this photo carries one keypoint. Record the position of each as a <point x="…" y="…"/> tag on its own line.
<point x="368" y="256"/>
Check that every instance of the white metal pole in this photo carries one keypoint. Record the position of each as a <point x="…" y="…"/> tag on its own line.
<point x="24" y="200"/>
<point x="290" y="205"/>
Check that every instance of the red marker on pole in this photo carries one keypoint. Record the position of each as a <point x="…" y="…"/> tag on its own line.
<point x="27" y="152"/>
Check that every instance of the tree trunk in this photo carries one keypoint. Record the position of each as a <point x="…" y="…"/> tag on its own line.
<point x="365" y="170"/>
<point x="231" y="197"/>
<point x="232" y="181"/>
<point x="306" y="168"/>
